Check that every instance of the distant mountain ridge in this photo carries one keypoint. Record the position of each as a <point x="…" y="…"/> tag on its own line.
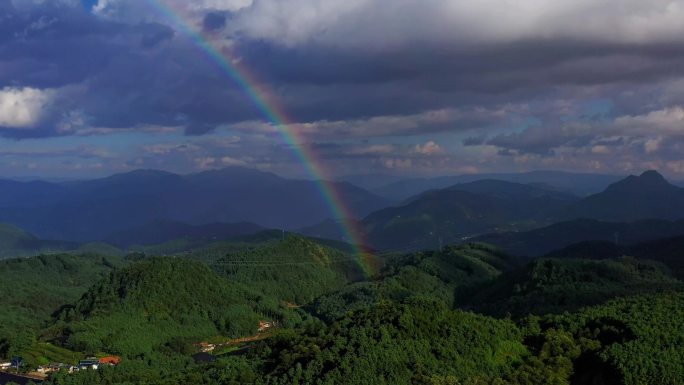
<point x="160" y="231"/>
<point x="667" y="251"/>
<point x="150" y="207"/>
<point x="16" y="242"/>
<point x="537" y="242"/>
<point x="647" y="196"/>
<point x="485" y="209"/>
<point x="463" y="211"/>
<point x="92" y="210"/>
<point x="571" y="183"/>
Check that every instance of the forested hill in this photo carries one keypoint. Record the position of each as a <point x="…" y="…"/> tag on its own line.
<point x="16" y="242"/>
<point x="295" y="269"/>
<point x="541" y="241"/>
<point x="441" y="275"/>
<point x="34" y="288"/>
<point x="556" y="285"/>
<point x="453" y="214"/>
<point x="467" y="314"/>
<point x="668" y="251"/>
<point x="142" y="307"/>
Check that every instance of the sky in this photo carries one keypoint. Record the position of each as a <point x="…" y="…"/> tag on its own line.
<point x="405" y="87"/>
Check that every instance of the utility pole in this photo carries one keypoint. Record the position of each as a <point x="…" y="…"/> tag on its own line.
<point x="617" y="238"/>
<point x="441" y="245"/>
<point x="283" y="234"/>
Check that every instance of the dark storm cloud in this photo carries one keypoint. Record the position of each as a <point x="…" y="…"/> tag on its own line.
<point x="214" y="21"/>
<point x="154" y="34"/>
<point x="118" y="75"/>
<point x="523" y="84"/>
<point x="52" y="45"/>
<point x="474" y="141"/>
<point x="336" y="83"/>
<point x="543" y="140"/>
<point x="530" y="64"/>
<point x="129" y="79"/>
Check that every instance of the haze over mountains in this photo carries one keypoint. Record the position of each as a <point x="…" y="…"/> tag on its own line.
<point x="572" y="183"/>
<point x="151" y="207"/>
<point x="160" y="231"/>
<point x="94" y="209"/>
<point x="472" y="210"/>
<point x="463" y="211"/>
<point x="15" y="242"/>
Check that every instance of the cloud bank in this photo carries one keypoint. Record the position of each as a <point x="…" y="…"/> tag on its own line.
<point x="415" y="87"/>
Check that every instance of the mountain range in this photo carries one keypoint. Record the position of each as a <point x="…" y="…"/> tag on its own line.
<point x="151" y="207"/>
<point x="572" y="183"/>
<point x="537" y="242"/>
<point x="502" y="213"/>
<point x="463" y="210"/>
<point x="94" y="209"/>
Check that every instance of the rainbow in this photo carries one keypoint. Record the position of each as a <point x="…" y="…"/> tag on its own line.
<point x="267" y="104"/>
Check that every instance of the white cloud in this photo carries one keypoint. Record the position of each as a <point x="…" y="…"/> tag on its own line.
<point x="216" y="5"/>
<point x="601" y="149"/>
<point x="189" y="11"/>
<point x="375" y="22"/>
<point x="664" y="121"/>
<point x="375" y="149"/>
<point x="397" y="163"/>
<point x="205" y="162"/>
<point x="168" y="148"/>
<point x="379" y="24"/>
<point x="23" y="107"/>
<point x="429" y="148"/>
<point x="229" y="161"/>
<point x="395" y="125"/>
<point x="653" y="145"/>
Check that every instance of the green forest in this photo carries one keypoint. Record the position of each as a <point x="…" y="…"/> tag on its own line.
<point x="467" y="314"/>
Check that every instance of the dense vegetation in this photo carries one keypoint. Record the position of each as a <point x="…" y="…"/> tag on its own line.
<point x="554" y="286"/>
<point x="141" y="308"/>
<point x="33" y="288"/>
<point x="667" y="251"/>
<point x="574" y="321"/>
<point x="405" y="343"/>
<point x="538" y="242"/>
<point x="435" y="274"/>
<point x="15" y="242"/>
<point x="295" y="270"/>
<point x="646" y="333"/>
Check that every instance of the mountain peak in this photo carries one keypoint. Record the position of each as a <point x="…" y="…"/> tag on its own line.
<point x="648" y="181"/>
<point x="652" y="176"/>
<point x="141" y="174"/>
